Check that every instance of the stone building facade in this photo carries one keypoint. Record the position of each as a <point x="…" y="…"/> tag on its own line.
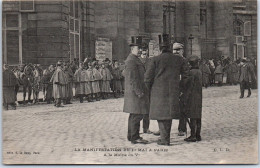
<point x="44" y="32"/>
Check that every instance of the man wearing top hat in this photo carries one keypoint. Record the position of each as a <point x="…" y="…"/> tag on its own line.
<point x="162" y="77"/>
<point x="136" y="99"/>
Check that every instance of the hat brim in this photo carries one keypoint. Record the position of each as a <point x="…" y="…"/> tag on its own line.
<point x="134" y="44"/>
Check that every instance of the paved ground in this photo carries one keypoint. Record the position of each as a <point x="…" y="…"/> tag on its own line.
<point x="44" y="134"/>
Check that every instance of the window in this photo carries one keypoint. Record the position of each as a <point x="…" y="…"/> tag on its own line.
<point x="238" y="27"/>
<point x="74" y="26"/>
<point x="27" y="6"/>
<point x="12" y="38"/>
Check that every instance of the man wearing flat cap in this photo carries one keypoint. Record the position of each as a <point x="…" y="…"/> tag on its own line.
<point x="178" y="49"/>
<point x="136" y="98"/>
<point x="162" y="77"/>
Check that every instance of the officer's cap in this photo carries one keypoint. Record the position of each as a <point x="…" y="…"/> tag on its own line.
<point x="177" y="46"/>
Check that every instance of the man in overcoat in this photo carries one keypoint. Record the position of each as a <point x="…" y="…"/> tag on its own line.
<point x="59" y="84"/>
<point x="136" y="99"/>
<point x="163" y="78"/>
<point x="246" y="76"/>
<point x="9" y="82"/>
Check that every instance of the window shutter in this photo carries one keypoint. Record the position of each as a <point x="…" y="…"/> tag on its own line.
<point x="247" y="28"/>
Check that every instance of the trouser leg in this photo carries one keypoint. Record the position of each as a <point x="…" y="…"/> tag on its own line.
<point x="81" y="98"/>
<point x="249" y="88"/>
<point x="146" y="122"/>
<point x="193" y="123"/>
<point x="24" y="92"/>
<point x="198" y="129"/>
<point x="58" y="102"/>
<point x="242" y="88"/>
<point x="134" y="120"/>
<point x="165" y="130"/>
<point x="182" y="125"/>
<point x="29" y="92"/>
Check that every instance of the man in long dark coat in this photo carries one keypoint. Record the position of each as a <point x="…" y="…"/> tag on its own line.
<point x="163" y="78"/>
<point x="205" y="73"/>
<point x="136" y="99"/>
<point x="9" y="82"/>
<point x="246" y="75"/>
<point x="144" y="59"/>
<point x="69" y="75"/>
<point x="193" y="99"/>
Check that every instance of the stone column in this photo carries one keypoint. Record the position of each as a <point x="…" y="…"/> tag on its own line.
<point x="192" y="26"/>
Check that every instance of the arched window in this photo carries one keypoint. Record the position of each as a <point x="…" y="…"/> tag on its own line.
<point x="238" y="27"/>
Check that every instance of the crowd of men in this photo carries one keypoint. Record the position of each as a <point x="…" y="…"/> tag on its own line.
<point x="162" y="88"/>
<point x="92" y="80"/>
<point x="213" y="71"/>
<point x="169" y="86"/>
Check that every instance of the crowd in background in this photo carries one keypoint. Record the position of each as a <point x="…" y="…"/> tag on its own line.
<point x="94" y="80"/>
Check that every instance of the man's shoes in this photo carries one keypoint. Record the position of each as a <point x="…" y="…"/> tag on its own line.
<point x="198" y="138"/>
<point x="157" y="133"/>
<point x="68" y="103"/>
<point x="190" y="139"/>
<point x="141" y="141"/>
<point x="159" y="142"/>
<point x="59" y="106"/>
<point x="241" y="97"/>
<point x="249" y="95"/>
<point x="148" y="131"/>
<point x="181" y="133"/>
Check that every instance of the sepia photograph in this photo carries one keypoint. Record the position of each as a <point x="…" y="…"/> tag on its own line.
<point x="129" y="82"/>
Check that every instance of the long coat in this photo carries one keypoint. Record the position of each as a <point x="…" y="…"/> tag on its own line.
<point x="134" y="86"/>
<point x="163" y="77"/>
<point x="193" y="106"/>
<point x="9" y="82"/>
<point x="69" y="75"/>
<point x="106" y="78"/>
<point x="59" y="81"/>
<point x="117" y="78"/>
<point x="79" y="82"/>
<point x="219" y="73"/>
<point x="246" y="73"/>
<point x="205" y="73"/>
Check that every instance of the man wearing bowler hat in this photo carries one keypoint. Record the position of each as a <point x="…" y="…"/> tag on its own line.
<point x="162" y="77"/>
<point x="136" y="98"/>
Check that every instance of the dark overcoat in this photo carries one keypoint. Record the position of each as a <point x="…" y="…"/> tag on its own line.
<point x="134" y="86"/>
<point x="9" y="82"/>
<point x="163" y="78"/>
<point x="193" y="100"/>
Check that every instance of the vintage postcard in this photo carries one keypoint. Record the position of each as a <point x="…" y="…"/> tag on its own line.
<point x="129" y="82"/>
